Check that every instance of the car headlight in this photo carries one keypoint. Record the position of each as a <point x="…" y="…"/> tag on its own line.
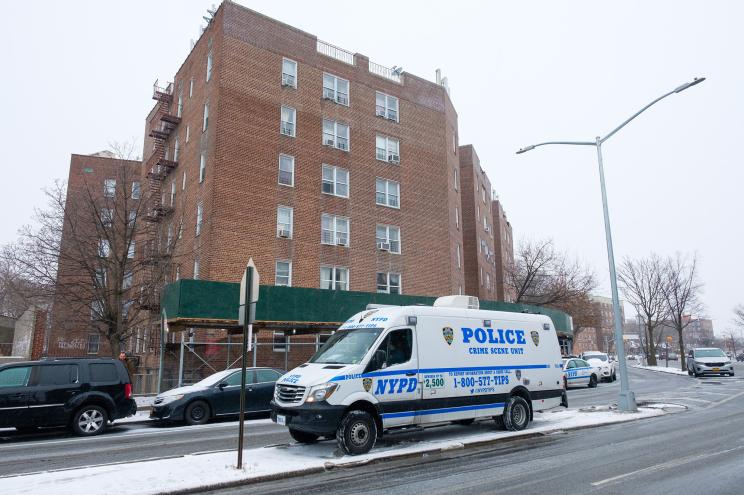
<point x="168" y="399"/>
<point x="727" y="363"/>
<point x="320" y="393"/>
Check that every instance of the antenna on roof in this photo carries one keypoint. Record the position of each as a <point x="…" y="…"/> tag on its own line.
<point x="397" y="70"/>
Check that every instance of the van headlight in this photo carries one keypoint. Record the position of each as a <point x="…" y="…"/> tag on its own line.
<point x="320" y="393"/>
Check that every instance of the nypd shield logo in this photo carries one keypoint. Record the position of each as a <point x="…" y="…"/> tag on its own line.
<point x="535" y="337"/>
<point x="448" y="334"/>
<point x="367" y="384"/>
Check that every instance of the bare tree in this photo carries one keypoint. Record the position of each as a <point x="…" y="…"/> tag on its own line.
<point x="739" y="316"/>
<point x="544" y="276"/>
<point x="682" y="293"/>
<point x="94" y="252"/>
<point x="642" y="282"/>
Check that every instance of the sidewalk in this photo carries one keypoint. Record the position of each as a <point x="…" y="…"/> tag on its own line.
<point x="212" y="470"/>
<point x="664" y="369"/>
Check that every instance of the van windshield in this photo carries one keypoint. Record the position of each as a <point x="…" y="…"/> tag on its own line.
<point x="347" y="346"/>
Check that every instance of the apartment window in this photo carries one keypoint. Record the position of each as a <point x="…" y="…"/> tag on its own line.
<point x="202" y="166"/>
<point x="126" y="282"/>
<point x="336" y="134"/>
<point x="196" y="268"/>
<point x="386" y="106"/>
<point x="286" y="170"/>
<point x="483" y="246"/>
<point x="109" y="188"/>
<point x="334" y="230"/>
<point x="483" y="194"/>
<point x="335" y="181"/>
<point x="459" y="261"/>
<point x="388" y="149"/>
<point x="485" y="224"/>
<point x="387" y="193"/>
<point x="334" y="277"/>
<point x="283" y="273"/>
<point x="388" y="283"/>
<point x="176" y="149"/>
<point x="279" y="342"/>
<point x="107" y="216"/>
<point x="209" y="63"/>
<point x="289" y="73"/>
<point x="130" y="250"/>
<point x="104" y="248"/>
<point x="287" y="126"/>
<point x="336" y="89"/>
<point x="180" y="228"/>
<point x="387" y="237"/>
<point x="199" y="213"/>
<point x="183" y="181"/>
<point x="205" y="124"/>
<point x="457" y="182"/>
<point x="100" y="277"/>
<point x="457" y="218"/>
<point x="191" y="87"/>
<point x="96" y="310"/>
<point x="132" y="218"/>
<point x="284" y="220"/>
<point x="173" y="193"/>
<point x="94" y="343"/>
<point x="136" y="190"/>
<point x="178" y="272"/>
<point x="188" y="133"/>
<point x="488" y="281"/>
<point x="179" y="108"/>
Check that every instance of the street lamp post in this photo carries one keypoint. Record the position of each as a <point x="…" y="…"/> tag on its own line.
<point x="626" y="400"/>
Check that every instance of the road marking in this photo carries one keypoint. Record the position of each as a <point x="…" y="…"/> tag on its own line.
<point x="666" y="465"/>
<point x="726" y="400"/>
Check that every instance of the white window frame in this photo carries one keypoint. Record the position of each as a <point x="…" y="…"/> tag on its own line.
<point x="288" y="127"/>
<point x="390" y="149"/>
<point x="109" y="188"/>
<point x="334" y="181"/>
<point x="202" y="166"/>
<point x="188" y="134"/>
<point x="104" y="248"/>
<point x="388" y="285"/>
<point x="283" y="225"/>
<point x="386" y="193"/>
<point x="209" y="62"/>
<point x="93" y="343"/>
<point x="179" y="107"/>
<point x="334" y="279"/>
<point x="333" y="138"/>
<point x="332" y="91"/>
<point x="457" y="179"/>
<point x="107" y="217"/>
<point x="136" y="190"/>
<point x="282" y="346"/>
<point x="288" y="276"/>
<point x="386" y="110"/>
<point x="459" y="258"/>
<point x="176" y="149"/>
<point x="205" y="122"/>
<point x="131" y="249"/>
<point x="457" y="218"/>
<point x="289" y="80"/>
<point x="333" y="236"/>
<point x="197" y="268"/>
<point x="191" y="87"/>
<point x="388" y="238"/>
<point x="173" y="193"/>
<point x="199" y="217"/>
<point x="291" y="171"/>
<point x="132" y="218"/>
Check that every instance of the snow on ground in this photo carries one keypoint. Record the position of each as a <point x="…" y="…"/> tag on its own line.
<point x="663" y="369"/>
<point x="193" y="471"/>
<point x="139" y="417"/>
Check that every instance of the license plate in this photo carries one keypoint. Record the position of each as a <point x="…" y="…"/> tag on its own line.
<point x="716" y="369"/>
<point x="281" y="419"/>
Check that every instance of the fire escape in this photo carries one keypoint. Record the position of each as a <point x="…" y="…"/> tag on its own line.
<point x="162" y="161"/>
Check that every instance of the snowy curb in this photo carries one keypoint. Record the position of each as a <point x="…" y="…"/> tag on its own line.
<point x="209" y="471"/>
<point x="662" y="369"/>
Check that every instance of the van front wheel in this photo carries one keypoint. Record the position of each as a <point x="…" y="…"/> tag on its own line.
<point x="357" y="433"/>
<point x="516" y="414"/>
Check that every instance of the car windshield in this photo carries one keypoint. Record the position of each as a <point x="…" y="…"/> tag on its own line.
<point x="709" y="353"/>
<point x="213" y="379"/>
<point x="602" y="357"/>
<point x="347" y="346"/>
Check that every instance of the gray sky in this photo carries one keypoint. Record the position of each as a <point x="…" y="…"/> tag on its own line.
<point x="79" y="75"/>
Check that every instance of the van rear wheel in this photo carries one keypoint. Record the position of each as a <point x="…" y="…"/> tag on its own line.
<point x="357" y="433"/>
<point x="516" y="414"/>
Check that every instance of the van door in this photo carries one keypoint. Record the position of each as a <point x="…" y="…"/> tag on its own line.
<point x="14" y="396"/>
<point x="393" y="371"/>
<point x="52" y="387"/>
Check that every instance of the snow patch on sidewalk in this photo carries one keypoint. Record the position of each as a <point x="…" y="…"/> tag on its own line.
<point x="193" y="471"/>
<point x="663" y="369"/>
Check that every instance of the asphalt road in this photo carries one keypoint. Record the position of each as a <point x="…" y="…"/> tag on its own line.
<point x="57" y="449"/>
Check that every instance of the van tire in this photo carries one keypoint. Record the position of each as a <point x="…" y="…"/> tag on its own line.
<point x="303" y="436"/>
<point x="592" y="381"/>
<point x="516" y="415"/>
<point x="357" y="433"/>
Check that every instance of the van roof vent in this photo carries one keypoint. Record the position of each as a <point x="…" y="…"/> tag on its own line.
<point x="458" y="301"/>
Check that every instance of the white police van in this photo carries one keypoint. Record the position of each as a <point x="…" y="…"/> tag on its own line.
<point x="415" y="366"/>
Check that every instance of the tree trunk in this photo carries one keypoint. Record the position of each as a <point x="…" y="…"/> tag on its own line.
<point x="114" y="344"/>
<point x="651" y="358"/>
<point x="682" y="364"/>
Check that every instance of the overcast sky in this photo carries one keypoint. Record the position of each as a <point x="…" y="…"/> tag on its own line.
<point x="79" y="75"/>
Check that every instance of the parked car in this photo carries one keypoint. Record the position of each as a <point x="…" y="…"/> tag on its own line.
<point x="85" y="394"/>
<point x="709" y="360"/>
<point x="218" y="395"/>
<point x="577" y="372"/>
<point x="606" y="367"/>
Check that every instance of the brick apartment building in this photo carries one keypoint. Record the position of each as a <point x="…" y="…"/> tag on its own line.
<point x="329" y="170"/>
<point x="503" y="251"/>
<point x="600" y="338"/>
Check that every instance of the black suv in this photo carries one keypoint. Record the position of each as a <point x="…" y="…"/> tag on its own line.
<point x="82" y="393"/>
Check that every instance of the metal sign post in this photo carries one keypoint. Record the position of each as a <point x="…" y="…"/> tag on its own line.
<point x="246" y="315"/>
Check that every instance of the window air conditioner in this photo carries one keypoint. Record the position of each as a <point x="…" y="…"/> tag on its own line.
<point x="284" y="233"/>
<point x="341" y="241"/>
<point x="383" y="246"/>
<point x="394" y="158"/>
<point x="330" y="142"/>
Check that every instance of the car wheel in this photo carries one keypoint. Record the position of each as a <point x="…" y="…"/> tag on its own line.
<point x="516" y="414"/>
<point x="614" y="376"/>
<point x="303" y="437"/>
<point x="464" y="422"/>
<point x="592" y="381"/>
<point x="89" y="420"/>
<point x="499" y="422"/>
<point x="197" y="413"/>
<point x="689" y="372"/>
<point x="357" y="433"/>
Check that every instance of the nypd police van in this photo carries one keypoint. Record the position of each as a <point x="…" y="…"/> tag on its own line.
<point x="415" y="366"/>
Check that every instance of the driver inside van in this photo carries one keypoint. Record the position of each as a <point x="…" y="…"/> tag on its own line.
<point x="399" y="349"/>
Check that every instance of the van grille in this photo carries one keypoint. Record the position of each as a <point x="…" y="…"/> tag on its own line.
<point x="289" y="393"/>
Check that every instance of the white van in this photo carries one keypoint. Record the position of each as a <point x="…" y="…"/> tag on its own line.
<point x="415" y="366"/>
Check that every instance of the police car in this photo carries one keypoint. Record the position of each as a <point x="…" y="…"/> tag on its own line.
<point x="578" y="373"/>
<point x="398" y="367"/>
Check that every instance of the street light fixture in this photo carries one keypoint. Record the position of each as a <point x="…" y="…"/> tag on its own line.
<point x="626" y="400"/>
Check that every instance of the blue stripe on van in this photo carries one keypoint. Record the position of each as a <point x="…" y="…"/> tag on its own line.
<point x="443" y="410"/>
<point x="373" y="374"/>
